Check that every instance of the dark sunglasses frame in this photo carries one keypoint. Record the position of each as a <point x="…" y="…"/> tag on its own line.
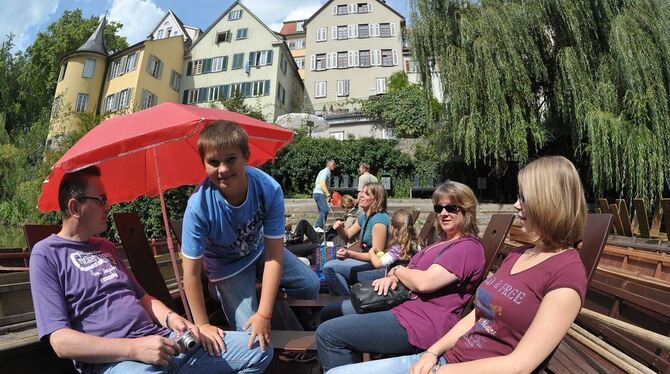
<point x="450" y="208"/>
<point x="102" y="199"/>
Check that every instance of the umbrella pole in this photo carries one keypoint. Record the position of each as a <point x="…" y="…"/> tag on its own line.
<point x="175" y="268"/>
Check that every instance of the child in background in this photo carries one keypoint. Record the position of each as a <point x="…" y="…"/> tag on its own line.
<point x="404" y="241"/>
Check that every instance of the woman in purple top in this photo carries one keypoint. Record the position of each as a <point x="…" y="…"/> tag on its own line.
<point x="442" y="276"/>
<point x="522" y="311"/>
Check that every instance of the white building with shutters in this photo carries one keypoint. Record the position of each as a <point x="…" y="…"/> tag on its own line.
<point x="238" y="53"/>
<point x="352" y="49"/>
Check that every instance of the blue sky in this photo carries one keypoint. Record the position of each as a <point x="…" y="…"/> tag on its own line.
<point x="25" y="18"/>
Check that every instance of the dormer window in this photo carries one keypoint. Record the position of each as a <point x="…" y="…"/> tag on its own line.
<point x="235" y="15"/>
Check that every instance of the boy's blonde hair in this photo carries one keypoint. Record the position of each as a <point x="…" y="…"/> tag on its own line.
<point x="462" y="195"/>
<point x="405" y="233"/>
<point x="223" y="134"/>
<point x="554" y="202"/>
<point x="378" y="193"/>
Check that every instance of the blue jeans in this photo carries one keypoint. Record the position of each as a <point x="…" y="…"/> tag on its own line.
<point x="341" y="273"/>
<point x="236" y="359"/>
<point x="322" y="204"/>
<point x="238" y="293"/>
<point x="335" y="310"/>
<point x="393" y="365"/>
<point x="378" y="332"/>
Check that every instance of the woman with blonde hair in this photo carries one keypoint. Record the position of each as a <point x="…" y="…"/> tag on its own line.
<point x="442" y="278"/>
<point x="372" y="227"/>
<point x="523" y="310"/>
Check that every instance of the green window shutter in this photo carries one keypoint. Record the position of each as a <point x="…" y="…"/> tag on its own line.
<point x="207" y="68"/>
<point x="225" y="63"/>
<point x="246" y="89"/>
<point x="252" y="58"/>
<point x="266" y="89"/>
<point x="189" y="68"/>
<point x="269" y="60"/>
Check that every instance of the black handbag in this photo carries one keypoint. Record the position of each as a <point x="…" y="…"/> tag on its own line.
<point x="365" y="299"/>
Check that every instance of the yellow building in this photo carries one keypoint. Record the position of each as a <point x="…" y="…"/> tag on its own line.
<point x="294" y="32"/>
<point x="138" y="77"/>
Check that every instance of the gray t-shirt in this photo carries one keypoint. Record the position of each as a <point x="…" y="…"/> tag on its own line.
<point x="85" y="287"/>
<point x="365" y="179"/>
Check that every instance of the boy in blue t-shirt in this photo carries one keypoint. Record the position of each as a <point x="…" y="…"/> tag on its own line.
<point x="235" y="223"/>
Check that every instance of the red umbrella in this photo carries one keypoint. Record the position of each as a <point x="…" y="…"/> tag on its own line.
<point x="146" y="152"/>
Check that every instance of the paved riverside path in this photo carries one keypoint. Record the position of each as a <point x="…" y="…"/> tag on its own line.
<point x="306" y="208"/>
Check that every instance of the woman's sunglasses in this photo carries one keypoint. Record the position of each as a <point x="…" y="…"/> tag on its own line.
<point x="450" y="208"/>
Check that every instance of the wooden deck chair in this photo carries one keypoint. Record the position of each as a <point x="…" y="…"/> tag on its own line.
<point x="415" y="215"/>
<point x="596" y="231"/>
<point x="141" y="259"/>
<point x="624" y="217"/>
<point x="665" y="205"/>
<point x="616" y="219"/>
<point x="640" y="210"/>
<point x="34" y="233"/>
<point x="492" y="240"/>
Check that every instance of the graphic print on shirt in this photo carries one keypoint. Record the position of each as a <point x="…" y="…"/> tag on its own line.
<point x="101" y="265"/>
<point x="247" y="237"/>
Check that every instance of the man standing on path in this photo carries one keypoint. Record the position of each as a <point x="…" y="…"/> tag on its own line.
<point x="322" y="194"/>
<point x="364" y="177"/>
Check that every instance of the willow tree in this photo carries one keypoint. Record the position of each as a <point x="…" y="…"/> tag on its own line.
<point x="519" y="74"/>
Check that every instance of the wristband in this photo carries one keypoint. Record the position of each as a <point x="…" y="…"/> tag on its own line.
<point x="262" y="315"/>
<point x="167" y="319"/>
<point x="436" y="356"/>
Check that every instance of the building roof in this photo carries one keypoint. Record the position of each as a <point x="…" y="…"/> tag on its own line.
<point x="96" y="42"/>
<point x="382" y="2"/>
<point x="180" y="24"/>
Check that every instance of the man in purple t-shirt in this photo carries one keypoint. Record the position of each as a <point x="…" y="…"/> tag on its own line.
<point x="91" y="310"/>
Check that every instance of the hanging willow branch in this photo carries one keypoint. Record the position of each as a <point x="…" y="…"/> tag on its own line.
<point x="510" y="69"/>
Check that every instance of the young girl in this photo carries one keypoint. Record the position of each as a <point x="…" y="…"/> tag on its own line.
<point x="404" y="241"/>
<point x="524" y="310"/>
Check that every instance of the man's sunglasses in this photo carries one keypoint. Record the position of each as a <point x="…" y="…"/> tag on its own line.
<point x="102" y="199"/>
<point x="450" y="208"/>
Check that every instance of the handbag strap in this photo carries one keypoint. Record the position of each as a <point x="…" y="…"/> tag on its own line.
<point x="365" y="226"/>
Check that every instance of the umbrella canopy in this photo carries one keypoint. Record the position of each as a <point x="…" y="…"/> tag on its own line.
<point x="298" y="120"/>
<point x="127" y="149"/>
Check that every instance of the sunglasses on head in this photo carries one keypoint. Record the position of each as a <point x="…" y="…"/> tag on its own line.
<point x="450" y="208"/>
<point x="102" y="199"/>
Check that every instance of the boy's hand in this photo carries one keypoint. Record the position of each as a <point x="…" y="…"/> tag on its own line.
<point x="211" y="338"/>
<point x="260" y="328"/>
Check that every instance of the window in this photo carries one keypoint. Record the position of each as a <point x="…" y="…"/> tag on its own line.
<point x="159" y="35"/>
<point x="384" y="30"/>
<point x="342" y="61"/>
<point x="341" y="9"/>
<point x="283" y="65"/>
<point x="321" y="34"/>
<point x="387" y="57"/>
<point x="299" y="26"/>
<point x="124" y="97"/>
<point x="380" y="85"/>
<point x="364" y="31"/>
<point x="363" y="58"/>
<point x="169" y="31"/>
<point x="343" y="87"/>
<point x="197" y="67"/>
<point x="375" y="57"/>
<point x="362" y="7"/>
<point x="89" y="68"/>
<point x="260" y="88"/>
<point x="342" y="32"/>
<point x="338" y="135"/>
<point x="131" y="62"/>
<point x="148" y="99"/>
<point x="321" y="61"/>
<point x="155" y="67"/>
<point x="109" y="103"/>
<point x="235" y="15"/>
<point x="224" y="36"/>
<point x="213" y="93"/>
<point x="281" y="93"/>
<point x="219" y="63"/>
<point x="374" y="29"/>
<point x="241" y="33"/>
<point x="61" y="74"/>
<point x="299" y="44"/>
<point x="175" y="80"/>
<point x="300" y="62"/>
<point x="260" y="58"/>
<point x="238" y="60"/>
<point x="411" y="66"/>
<point x="320" y="89"/>
<point x="82" y="101"/>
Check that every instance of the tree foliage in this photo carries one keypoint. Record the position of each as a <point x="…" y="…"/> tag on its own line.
<point x="519" y="75"/>
<point x="402" y="109"/>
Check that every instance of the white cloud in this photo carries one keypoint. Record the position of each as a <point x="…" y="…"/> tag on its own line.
<point x="18" y="17"/>
<point x="138" y="17"/>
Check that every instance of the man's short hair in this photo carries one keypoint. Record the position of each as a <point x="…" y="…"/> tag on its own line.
<point x="365" y="166"/>
<point x="329" y="161"/>
<point x="74" y="185"/>
<point x="223" y="134"/>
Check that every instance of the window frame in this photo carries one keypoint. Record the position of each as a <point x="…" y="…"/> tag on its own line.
<point x="78" y="103"/>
